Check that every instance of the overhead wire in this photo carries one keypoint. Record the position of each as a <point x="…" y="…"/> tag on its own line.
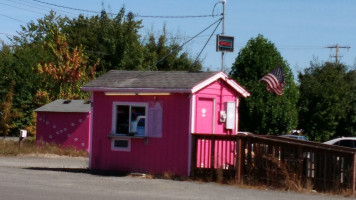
<point x="180" y="47"/>
<point x="22" y="8"/>
<point x="136" y="15"/>
<point x="12" y="18"/>
<point x="42" y="7"/>
<point x="196" y="59"/>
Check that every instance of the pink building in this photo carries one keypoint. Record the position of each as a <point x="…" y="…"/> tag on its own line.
<point x="64" y="122"/>
<point x="143" y="121"/>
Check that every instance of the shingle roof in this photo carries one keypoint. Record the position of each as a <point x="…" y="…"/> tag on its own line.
<point x="149" y="79"/>
<point x="61" y="105"/>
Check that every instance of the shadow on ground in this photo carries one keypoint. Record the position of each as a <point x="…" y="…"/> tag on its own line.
<point x="81" y="171"/>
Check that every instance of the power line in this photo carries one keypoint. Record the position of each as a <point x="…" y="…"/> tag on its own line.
<point x="186" y="16"/>
<point x="12" y="18"/>
<point x="22" y="9"/>
<point x="41" y="7"/>
<point x="207" y="42"/>
<point x="337" y="47"/>
<point x="142" y="16"/>
<point x="180" y="47"/>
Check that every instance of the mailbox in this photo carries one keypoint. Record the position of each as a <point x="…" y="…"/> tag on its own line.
<point x="23" y="133"/>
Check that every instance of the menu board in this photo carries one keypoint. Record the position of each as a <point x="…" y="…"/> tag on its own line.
<point x="155" y="120"/>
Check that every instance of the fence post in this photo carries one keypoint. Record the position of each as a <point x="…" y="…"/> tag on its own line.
<point x="240" y="148"/>
<point x="193" y="162"/>
<point x="353" y="180"/>
<point x="212" y="156"/>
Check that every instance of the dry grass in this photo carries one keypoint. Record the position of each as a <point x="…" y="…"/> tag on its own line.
<point x="29" y="146"/>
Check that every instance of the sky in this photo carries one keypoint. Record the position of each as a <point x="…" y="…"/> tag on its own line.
<point x="300" y="29"/>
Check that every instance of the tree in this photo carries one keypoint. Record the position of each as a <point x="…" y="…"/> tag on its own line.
<point x="63" y="77"/>
<point x="6" y="111"/>
<point x="327" y="101"/>
<point x="264" y="112"/>
<point x="16" y="65"/>
<point x="42" y="47"/>
<point x="164" y="54"/>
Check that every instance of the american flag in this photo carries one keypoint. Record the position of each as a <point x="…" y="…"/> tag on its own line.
<point x="275" y="80"/>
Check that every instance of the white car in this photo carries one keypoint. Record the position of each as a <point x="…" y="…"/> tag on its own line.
<point x="343" y="141"/>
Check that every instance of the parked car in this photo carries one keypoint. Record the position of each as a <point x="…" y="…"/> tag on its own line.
<point x="298" y="137"/>
<point x="343" y="141"/>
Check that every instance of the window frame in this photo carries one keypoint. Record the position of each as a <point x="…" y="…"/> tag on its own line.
<point x="130" y="104"/>
<point x="114" y="148"/>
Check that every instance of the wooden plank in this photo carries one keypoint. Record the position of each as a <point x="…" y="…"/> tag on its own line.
<point x="353" y="179"/>
<point x="193" y="162"/>
<point x="240" y="159"/>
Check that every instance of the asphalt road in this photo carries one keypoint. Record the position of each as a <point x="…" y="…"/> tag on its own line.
<point x="62" y="178"/>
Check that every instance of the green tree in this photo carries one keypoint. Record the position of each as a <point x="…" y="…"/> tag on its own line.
<point x="16" y="65"/>
<point x="6" y="111"/>
<point x="264" y="112"/>
<point x="63" y="77"/>
<point x="327" y="101"/>
<point x="164" y="54"/>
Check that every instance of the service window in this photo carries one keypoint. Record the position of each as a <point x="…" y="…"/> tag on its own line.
<point x="130" y="119"/>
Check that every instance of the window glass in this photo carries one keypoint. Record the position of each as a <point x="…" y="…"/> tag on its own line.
<point x="130" y="119"/>
<point x="122" y="119"/>
<point x="121" y="143"/>
<point x="346" y="143"/>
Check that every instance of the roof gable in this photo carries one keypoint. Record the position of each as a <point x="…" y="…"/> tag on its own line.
<point x="61" y="105"/>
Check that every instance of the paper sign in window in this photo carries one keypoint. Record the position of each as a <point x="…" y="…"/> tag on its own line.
<point x="155" y="120"/>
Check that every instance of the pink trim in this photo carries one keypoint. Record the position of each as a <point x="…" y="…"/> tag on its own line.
<point x="237" y="115"/>
<point x="192" y="113"/>
<point x="91" y="129"/>
<point x="191" y="128"/>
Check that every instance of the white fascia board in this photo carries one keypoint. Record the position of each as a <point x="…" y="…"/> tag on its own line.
<point x="223" y="76"/>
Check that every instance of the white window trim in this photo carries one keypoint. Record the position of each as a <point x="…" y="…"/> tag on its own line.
<point x="113" y="126"/>
<point x="113" y="148"/>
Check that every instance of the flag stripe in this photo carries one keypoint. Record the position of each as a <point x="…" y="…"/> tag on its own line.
<point x="275" y="80"/>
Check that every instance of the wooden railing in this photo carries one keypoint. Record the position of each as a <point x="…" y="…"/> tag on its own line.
<point x="273" y="160"/>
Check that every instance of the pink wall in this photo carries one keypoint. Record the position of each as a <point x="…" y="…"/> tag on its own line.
<point x="66" y="129"/>
<point x="221" y="93"/>
<point x="170" y="153"/>
<point x="154" y="155"/>
<point x="224" y="152"/>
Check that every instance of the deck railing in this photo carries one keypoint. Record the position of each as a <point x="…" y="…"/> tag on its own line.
<point x="273" y="160"/>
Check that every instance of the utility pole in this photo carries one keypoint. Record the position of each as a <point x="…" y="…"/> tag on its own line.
<point x="337" y="47"/>
<point x="222" y="33"/>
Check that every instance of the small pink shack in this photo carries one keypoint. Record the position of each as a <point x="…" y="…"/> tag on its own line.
<point x="143" y="121"/>
<point x="64" y="122"/>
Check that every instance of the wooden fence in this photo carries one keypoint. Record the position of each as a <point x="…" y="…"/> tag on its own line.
<point x="274" y="160"/>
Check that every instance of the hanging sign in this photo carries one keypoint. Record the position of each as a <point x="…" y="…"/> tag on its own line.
<point x="224" y="43"/>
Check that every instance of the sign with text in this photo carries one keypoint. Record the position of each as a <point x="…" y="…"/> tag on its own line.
<point x="224" y="43"/>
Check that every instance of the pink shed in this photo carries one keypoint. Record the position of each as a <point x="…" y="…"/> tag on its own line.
<point x="143" y="121"/>
<point x="64" y="122"/>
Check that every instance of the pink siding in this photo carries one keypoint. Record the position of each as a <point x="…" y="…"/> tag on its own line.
<point x="221" y="93"/>
<point x="224" y="152"/>
<point x="152" y="155"/>
<point x="65" y="129"/>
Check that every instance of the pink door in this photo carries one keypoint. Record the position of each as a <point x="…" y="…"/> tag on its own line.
<point x="205" y="115"/>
